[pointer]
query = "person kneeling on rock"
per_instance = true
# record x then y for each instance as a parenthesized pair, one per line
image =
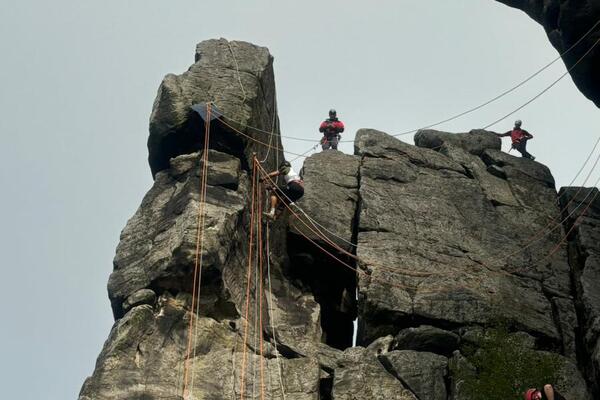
(548, 393)
(331, 129)
(293, 190)
(519, 139)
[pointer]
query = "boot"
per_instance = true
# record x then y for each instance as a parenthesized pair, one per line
(270, 215)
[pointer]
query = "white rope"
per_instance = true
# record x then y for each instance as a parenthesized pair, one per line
(546, 89)
(237, 68)
(314, 222)
(303, 154)
(506, 92)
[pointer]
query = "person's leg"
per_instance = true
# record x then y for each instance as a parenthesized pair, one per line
(522, 148)
(293, 192)
(334, 140)
(274, 200)
(325, 144)
(525, 152)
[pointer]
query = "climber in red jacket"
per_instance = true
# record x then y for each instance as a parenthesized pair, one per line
(549, 393)
(519, 139)
(331, 129)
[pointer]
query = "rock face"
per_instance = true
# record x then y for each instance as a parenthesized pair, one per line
(565, 23)
(238, 78)
(581, 209)
(425, 246)
(444, 263)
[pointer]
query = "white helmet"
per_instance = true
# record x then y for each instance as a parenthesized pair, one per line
(518, 122)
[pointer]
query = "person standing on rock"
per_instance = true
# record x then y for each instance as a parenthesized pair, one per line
(293, 190)
(331, 129)
(548, 393)
(519, 139)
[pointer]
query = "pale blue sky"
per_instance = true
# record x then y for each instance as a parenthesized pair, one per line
(78, 82)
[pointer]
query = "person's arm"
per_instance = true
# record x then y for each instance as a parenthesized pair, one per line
(270, 175)
(323, 126)
(549, 391)
(340, 127)
(527, 134)
(504, 134)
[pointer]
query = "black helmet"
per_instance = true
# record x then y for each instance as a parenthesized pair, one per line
(332, 113)
(284, 165)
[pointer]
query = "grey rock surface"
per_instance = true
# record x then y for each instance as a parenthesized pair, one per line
(432, 258)
(331, 195)
(423, 373)
(427, 338)
(238, 78)
(144, 355)
(157, 247)
(474, 142)
(581, 209)
(362, 377)
(142, 296)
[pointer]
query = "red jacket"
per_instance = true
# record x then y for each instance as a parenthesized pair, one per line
(331, 127)
(517, 135)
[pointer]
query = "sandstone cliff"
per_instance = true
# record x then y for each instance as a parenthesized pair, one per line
(440, 235)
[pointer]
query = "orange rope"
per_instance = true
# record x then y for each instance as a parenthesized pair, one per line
(198, 259)
(322, 236)
(249, 273)
(260, 291)
(537, 235)
(385, 281)
(354, 269)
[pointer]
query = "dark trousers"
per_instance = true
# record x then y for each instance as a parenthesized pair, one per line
(521, 147)
(330, 142)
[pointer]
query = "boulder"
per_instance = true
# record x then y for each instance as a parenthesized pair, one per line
(423, 373)
(362, 377)
(474, 142)
(157, 247)
(237, 77)
(427, 338)
(142, 296)
(330, 198)
(426, 252)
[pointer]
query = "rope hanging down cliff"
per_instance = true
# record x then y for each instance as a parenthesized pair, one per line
(197, 279)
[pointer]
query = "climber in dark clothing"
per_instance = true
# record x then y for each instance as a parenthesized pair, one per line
(548, 393)
(519, 139)
(293, 190)
(331, 129)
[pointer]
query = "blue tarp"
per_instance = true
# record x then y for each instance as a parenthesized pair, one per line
(201, 109)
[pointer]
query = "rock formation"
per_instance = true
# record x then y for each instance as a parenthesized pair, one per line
(425, 245)
(565, 23)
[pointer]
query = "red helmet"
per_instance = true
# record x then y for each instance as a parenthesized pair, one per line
(529, 394)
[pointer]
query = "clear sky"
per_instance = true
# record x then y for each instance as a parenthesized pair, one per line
(79, 79)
